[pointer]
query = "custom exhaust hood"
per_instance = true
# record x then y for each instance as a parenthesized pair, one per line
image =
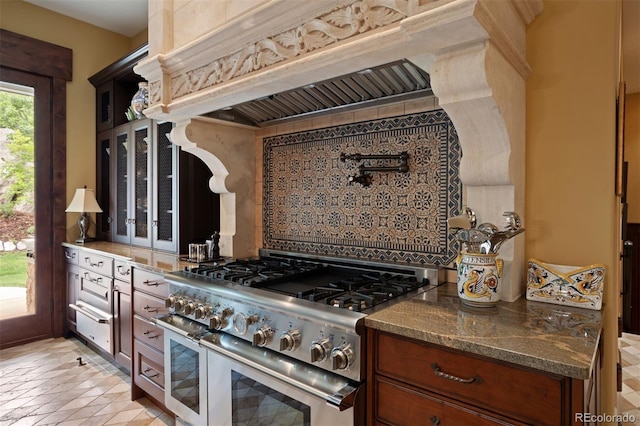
(222, 80)
(394, 82)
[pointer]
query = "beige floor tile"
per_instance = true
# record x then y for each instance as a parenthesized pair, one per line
(41, 383)
(78, 403)
(124, 416)
(14, 403)
(55, 417)
(29, 420)
(86, 412)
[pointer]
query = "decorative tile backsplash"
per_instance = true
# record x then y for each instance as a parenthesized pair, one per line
(310, 207)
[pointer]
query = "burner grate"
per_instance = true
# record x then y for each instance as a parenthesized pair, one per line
(342, 287)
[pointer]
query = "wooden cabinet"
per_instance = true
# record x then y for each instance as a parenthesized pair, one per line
(412, 382)
(91, 305)
(99, 289)
(122, 314)
(73, 284)
(144, 199)
(151, 193)
(149, 293)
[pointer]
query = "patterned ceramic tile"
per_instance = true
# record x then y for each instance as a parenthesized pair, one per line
(310, 207)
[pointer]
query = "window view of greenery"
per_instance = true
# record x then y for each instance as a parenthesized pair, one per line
(16, 186)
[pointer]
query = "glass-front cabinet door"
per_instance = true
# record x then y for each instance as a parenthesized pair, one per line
(132, 184)
(140, 219)
(120, 186)
(103, 185)
(165, 186)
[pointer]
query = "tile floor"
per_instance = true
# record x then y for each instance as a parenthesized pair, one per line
(42, 383)
(629, 398)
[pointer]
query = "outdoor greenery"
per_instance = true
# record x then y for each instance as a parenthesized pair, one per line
(14, 269)
(16, 113)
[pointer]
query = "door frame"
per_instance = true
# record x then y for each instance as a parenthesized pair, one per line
(29, 55)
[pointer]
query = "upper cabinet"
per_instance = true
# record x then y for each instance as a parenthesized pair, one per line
(152, 194)
(144, 185)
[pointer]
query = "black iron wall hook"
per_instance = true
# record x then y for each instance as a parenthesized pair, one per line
(364, 177)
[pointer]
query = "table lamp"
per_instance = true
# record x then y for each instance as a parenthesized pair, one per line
(84, 201)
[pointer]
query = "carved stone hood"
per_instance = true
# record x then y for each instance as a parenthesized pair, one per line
(473, 51)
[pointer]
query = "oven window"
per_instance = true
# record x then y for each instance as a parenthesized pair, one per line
(256, 404)
(185, 376)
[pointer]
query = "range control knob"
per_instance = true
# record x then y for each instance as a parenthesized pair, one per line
(218, 323)
(262, 337)
(219, 320)
(170, 301)
(189, 307)
(290, 340)
(200, 312)
(320, 349)
(178, 305)
(342, 357)
(242, 322)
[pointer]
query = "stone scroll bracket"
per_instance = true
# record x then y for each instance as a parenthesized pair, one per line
(485, 96)
(228, 151)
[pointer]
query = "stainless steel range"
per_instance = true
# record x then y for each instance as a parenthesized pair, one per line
(285, 322)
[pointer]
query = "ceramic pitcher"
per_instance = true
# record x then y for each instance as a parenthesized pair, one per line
(478, 278)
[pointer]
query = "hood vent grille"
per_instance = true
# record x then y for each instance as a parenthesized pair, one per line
(394, 82)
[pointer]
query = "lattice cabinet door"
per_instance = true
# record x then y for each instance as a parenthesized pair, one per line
(141, 182)
(164, 229)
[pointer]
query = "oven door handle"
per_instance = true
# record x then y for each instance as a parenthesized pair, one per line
(91, 314)
(337, 391)
(191, 331)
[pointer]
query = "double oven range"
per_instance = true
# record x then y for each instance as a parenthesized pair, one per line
(276, 340)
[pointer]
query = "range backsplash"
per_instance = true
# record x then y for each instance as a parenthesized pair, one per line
(310, 207)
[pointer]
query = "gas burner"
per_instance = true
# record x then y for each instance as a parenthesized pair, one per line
(309, 309)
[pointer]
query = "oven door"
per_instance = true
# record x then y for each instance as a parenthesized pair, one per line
(185, 380)
(254, 386)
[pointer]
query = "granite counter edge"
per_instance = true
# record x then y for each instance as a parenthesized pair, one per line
(493, 352)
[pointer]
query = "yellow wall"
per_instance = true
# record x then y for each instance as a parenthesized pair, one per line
(571, 207)
(93, 49)
(632, 155)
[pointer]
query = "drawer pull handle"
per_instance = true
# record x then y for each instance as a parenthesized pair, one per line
(87, 276)
(126, 272)
(150, 376)
(93, 265)
(151, 283)
(69, 256)
(150, 309)
(435, 420)
(438, 372)
(146, 333)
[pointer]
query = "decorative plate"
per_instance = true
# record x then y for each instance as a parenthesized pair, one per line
(566, 285)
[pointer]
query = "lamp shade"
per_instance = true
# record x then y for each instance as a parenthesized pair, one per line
(84, 201)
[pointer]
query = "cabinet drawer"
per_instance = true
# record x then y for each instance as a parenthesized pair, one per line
(95, 289)
(97, 332)
(96, 263)
(148, 333)
(71, 255)
(122, 271)
(486, 384)
(148, 370)
(148, 306)
(401, 406)
(122, 286)
(150, 282)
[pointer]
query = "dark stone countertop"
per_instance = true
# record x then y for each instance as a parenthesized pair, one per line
(552, 338)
